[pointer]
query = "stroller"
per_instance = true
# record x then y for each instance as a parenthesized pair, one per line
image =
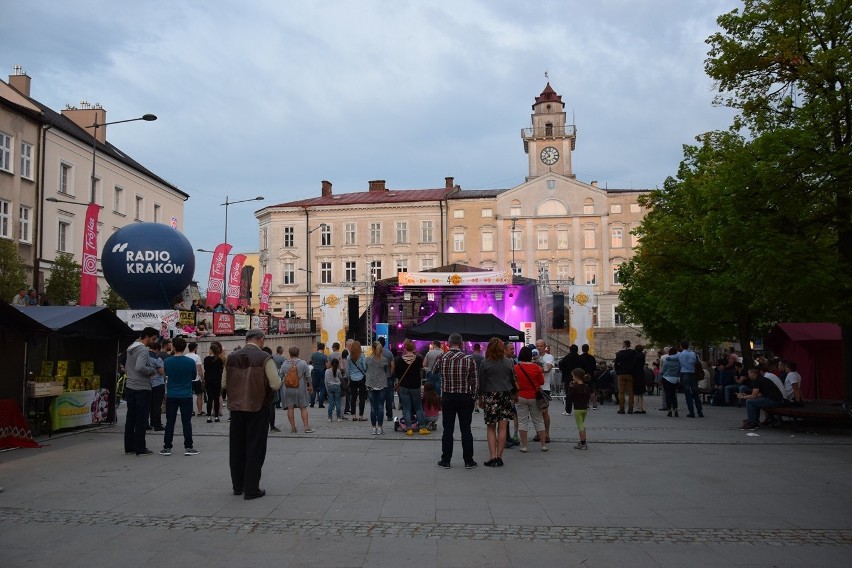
(400, 423)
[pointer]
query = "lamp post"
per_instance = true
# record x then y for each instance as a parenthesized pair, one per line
(229, 203)
(309, 269)
(95, 126)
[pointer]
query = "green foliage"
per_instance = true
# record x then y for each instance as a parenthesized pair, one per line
(13, 269)
(63, 284)
(113, 301)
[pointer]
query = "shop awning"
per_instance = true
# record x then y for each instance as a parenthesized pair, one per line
(17, 320)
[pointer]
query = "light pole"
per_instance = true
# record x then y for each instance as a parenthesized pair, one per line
(229, 203)
(309, 269)
(95, 126)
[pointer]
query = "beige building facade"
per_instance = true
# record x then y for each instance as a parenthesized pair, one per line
(552, 228)
(59, 187)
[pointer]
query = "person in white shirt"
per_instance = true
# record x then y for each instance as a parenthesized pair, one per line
(198, 382)
(792, 383)
(547, 362)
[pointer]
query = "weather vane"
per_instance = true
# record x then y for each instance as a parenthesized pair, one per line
(545, 75)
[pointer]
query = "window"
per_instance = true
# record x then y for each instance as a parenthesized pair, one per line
(516, 269)
(543, 239)
(427, 264)
(588, 206)
(26, 160)
(635, 208)
(402, 232)
(264, 238)
(617, 237)
(118, 200)
(515, 241)
(618, 318)
(289, 273)
(458, 242)
(515, 211)
(376, 269)
(401, 265)
(349, 231)
(551, 184)
(289, 237)
(488, 212)
(325, 236)
(615, 208)
(563, 272)
(63, 237)
(158, 213)
(289, 310)
(548, 129)
(615, 268)
(325, 273)
(426, 232)
(66, 180)
(487, 241)
(350, 271)
(5, 221)
(5, 152)
(375, 233)
(458, 214)
(589, 238)
(562, 239)
(24, 233)
(552, 207)
(139, 211)
(590, 274)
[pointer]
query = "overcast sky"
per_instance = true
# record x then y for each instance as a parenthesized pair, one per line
(269, 97)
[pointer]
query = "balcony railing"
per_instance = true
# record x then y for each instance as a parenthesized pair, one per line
(545, 132)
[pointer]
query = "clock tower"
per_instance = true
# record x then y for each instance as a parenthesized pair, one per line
(550, 141)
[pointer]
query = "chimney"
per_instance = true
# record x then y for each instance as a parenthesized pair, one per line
(377, 185)
(448, 182)
(20, 81)
(326, 188)
(85, 116)
(594, 183)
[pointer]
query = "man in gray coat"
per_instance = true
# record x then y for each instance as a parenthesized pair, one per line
(137, 391)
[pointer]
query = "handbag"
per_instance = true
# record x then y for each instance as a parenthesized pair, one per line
(399, 380)
(542, 399)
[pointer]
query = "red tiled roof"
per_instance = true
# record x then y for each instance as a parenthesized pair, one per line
(370, 197)
(548, 95)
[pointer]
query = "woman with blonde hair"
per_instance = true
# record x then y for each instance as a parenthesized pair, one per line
(496, 396)
(357, 375)
(377, 386)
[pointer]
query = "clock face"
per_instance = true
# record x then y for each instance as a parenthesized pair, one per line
(549, 155)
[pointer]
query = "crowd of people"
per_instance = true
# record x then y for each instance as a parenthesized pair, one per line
(30, 297)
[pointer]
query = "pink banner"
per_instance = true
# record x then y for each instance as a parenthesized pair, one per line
(264, 292)
(234, 277)
(216, 284)
(89, 275)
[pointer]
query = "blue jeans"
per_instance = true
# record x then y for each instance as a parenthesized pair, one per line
(333, 399)
(731, 389)
(185, 406)
(435, 380)
(318, 392)
(690, 393)
(412, 406)
(755, 405)
(377, 401)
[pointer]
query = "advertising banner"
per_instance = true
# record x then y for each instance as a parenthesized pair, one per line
(581, 301)
(234, 278)
(81, 408)
(187, 318)
(334, 310)
(498, 278)
(223, 324)
(242, 322)
(216, 284)
(261, 323)
(528, 327)
(264, 292)
(89, 274)
(167, 321)
(245, 285)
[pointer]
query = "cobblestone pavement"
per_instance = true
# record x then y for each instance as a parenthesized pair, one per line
(497, 532)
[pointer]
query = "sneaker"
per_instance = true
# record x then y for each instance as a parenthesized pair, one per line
(499, 462)
(580, 447)
(339, 419)
(620, 412)
(564, 413)
(425, 431)
(544, 448)
(375, 431)
(524, 449)
(444, 464)
(470, 464)
(629, 411)
(166, 452)
(190, 452)
(381, 431)
(409, 432)
(595, 407)
(209, 420)
(309, 430)
(330, 419)
(144, 453)
(274, 429)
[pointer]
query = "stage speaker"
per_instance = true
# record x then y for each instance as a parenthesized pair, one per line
(559, 311)
(354, 317)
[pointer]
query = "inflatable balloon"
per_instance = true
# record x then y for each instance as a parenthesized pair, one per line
(148, 264)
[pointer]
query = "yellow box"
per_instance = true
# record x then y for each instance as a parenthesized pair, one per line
(62, 368)
(47, 368)
(87, 368)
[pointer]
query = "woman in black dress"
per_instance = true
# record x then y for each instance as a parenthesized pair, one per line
(214, 365)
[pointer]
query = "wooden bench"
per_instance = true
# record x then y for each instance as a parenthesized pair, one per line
(818, 411)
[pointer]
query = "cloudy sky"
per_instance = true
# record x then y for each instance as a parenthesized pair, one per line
(269, 97)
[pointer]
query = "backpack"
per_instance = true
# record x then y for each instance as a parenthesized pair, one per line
(291, 379)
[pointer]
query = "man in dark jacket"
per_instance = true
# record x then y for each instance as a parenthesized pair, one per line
(624, 363)
(567, 364)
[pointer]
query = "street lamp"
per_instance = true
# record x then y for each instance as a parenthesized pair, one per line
(95, 126)
(309, 269)
(229, 203)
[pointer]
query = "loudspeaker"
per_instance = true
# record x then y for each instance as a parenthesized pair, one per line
(558, 311)
(354, 316)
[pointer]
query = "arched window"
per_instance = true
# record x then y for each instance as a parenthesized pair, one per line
(515, 209)
(552, 207)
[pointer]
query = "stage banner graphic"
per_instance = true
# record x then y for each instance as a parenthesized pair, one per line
(216, 284)
(223, 323)
(528, 327)
(333, 308)
(234, 278)
(581, 300)
(242, 322)
(498, 278)
(264, 292)
(89, 274)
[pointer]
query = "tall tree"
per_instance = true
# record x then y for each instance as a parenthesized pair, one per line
(63, 284)
(114, 301)
(787, 66)
(13, 269)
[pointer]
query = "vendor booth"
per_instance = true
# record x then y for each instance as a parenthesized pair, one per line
(816, 349)
(71, 371)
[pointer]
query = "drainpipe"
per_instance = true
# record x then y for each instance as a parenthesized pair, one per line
(39, 209)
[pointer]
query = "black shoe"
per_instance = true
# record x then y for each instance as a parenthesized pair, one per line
(662, 409)
(274, 429)
(260, 493)
(536, 438)
(144, 453)
(312, 405)
(238, 491)
(321, 406)
(669, 414)
(149, 428)
(499, 462)
(629, 411)
(620, 412)
(491, 463)
(690, 415)
(470, 464)
(158, 428)
(444, 464)
(701, 415)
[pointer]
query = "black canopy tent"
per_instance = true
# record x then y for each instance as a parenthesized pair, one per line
(472, 327)
(16, 332)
